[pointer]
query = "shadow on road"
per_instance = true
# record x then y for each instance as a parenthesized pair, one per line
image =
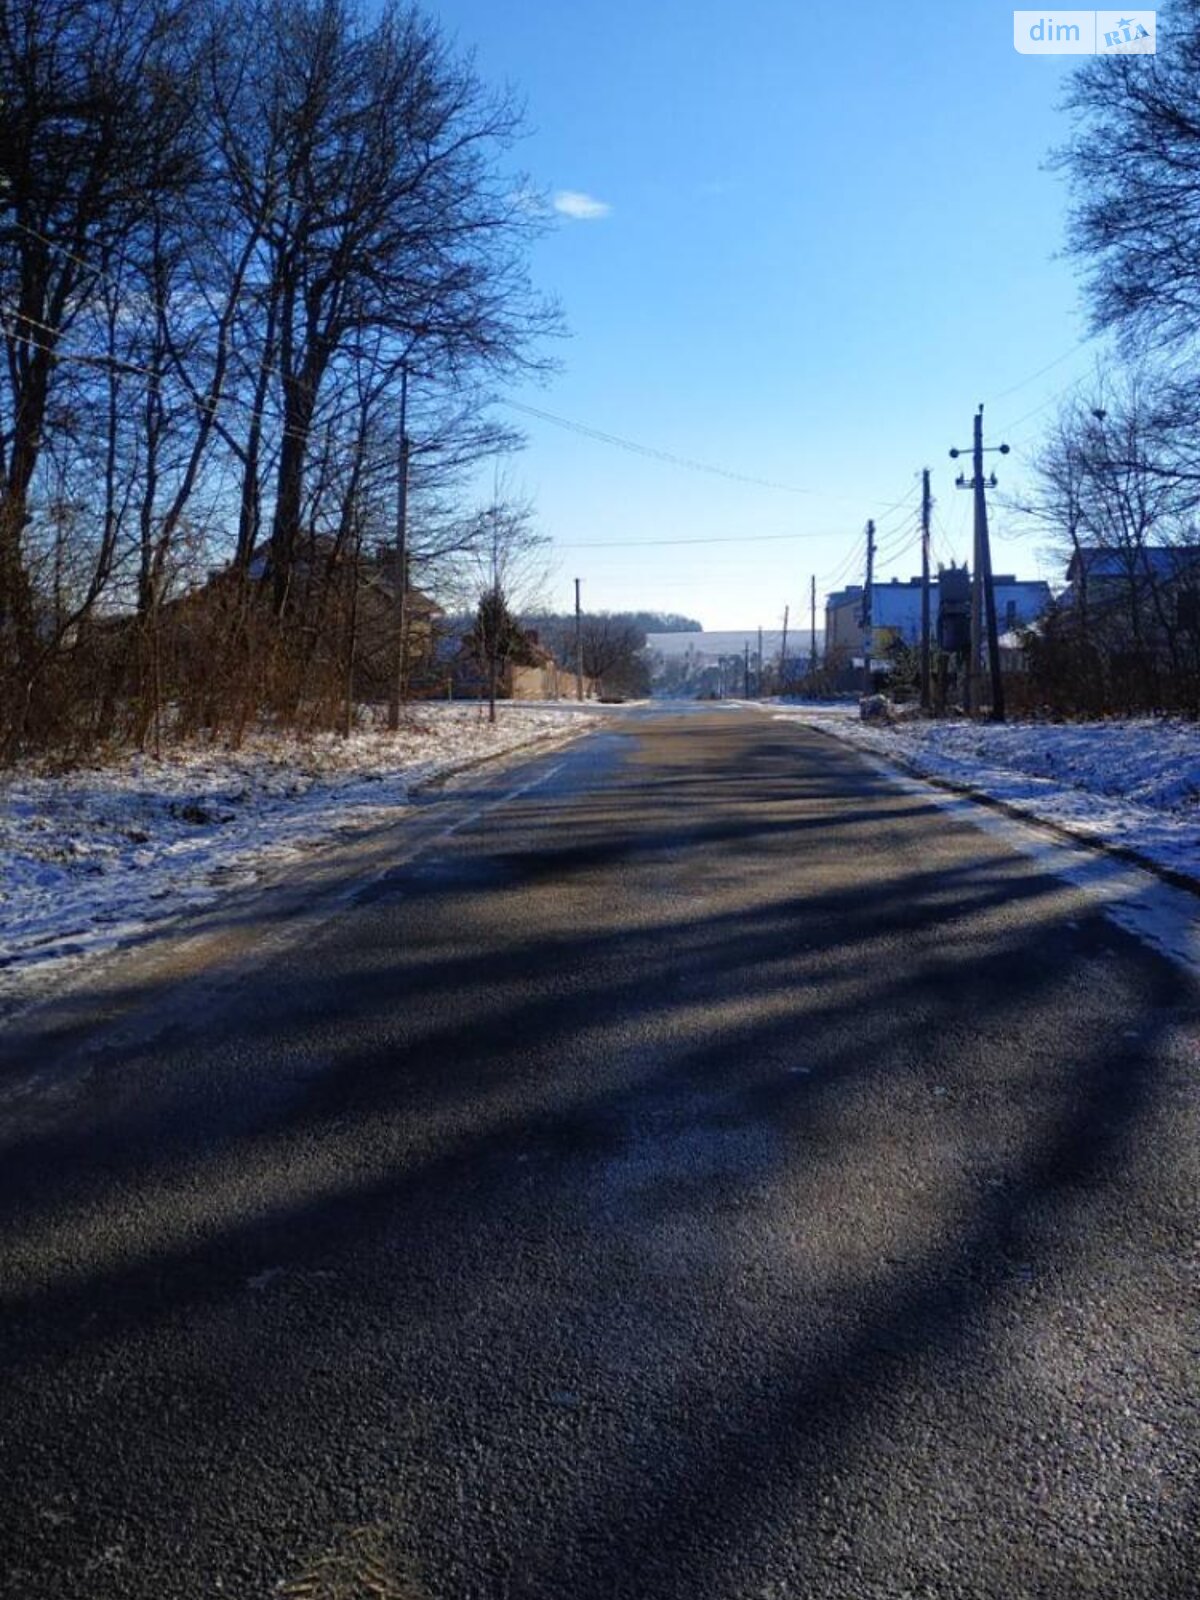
(740, 1104)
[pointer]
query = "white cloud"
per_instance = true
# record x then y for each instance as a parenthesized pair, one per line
(582, 207)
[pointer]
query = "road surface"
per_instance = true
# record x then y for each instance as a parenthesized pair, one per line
(712, 1172)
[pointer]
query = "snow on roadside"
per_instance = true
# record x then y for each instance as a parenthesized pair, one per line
(1131, 783)
(90, 857)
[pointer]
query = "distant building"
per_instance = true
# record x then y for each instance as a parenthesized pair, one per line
(337, 585)
(1136, 611)
(531, 674)
(1098, 574)
(896, 612)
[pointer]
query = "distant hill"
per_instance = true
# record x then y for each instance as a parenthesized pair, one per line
(707, 648)
(645, 621)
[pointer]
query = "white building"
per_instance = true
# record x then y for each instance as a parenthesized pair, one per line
(896, 612)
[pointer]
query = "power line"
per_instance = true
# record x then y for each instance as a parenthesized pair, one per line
(894, 557)
(652, 544)
(585, 430)
(900, 540)
(1042, 371)
(1045, 405)
(651, 452)
(669, 457)
(843, 571)
(732, 538)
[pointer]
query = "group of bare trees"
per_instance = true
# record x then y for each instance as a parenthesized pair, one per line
(607, 646)
(1118, 489)
(1118, 478)
(230, 231)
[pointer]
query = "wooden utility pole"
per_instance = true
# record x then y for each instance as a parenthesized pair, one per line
(758, 669)
(983, 593)
(783, 653)
(352, 619)
(989, 588)
(578, 645)
(746, 671)
(926, 511)
(866, 607)
(397, 695)
(812, 629)
(971, 688)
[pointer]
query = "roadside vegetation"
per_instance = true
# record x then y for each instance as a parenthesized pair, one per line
(245, 245)
(1118, 472)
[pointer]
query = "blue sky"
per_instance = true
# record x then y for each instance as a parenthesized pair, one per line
(826, 235)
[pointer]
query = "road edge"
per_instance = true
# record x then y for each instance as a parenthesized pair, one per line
(290, 885)
(1177, 879)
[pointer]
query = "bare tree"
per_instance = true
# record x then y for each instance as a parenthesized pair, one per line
(507, 554)
(611, 648)
(1134, 168)
(224, 230)
(1112, 491)
(367, 155)
(94, 126)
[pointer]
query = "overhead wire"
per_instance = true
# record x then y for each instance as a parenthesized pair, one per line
(1042, 371)
(841, 573)
(652, 544)
(652, 452)
(890, 550)
(585, 430)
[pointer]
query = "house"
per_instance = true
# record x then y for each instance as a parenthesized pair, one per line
(530, 674)
(345, 590)
(378, 619)
(896, 613)
(843, 625)
(547, 680)
(1131, 616)
(1100, 576)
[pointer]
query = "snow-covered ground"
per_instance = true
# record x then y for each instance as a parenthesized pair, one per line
(1130, 783)
(89, 857)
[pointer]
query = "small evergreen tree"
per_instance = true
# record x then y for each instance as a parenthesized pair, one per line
(497, 641)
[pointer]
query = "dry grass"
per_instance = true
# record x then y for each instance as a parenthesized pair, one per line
(362, 1564)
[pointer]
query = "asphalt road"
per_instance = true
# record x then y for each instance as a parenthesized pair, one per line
(713, 1172)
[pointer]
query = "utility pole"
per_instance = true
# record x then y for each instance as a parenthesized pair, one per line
(746, 672)
(973, 694)
(397, 695)
(783, 653)
(812, 629)
(758, 669)
(989, 588)
(866, 607)
(926, 511)
(578, 645)
(983, 593)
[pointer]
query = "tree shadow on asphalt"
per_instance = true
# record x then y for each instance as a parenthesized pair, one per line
(721, 956)
(782, 1013)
